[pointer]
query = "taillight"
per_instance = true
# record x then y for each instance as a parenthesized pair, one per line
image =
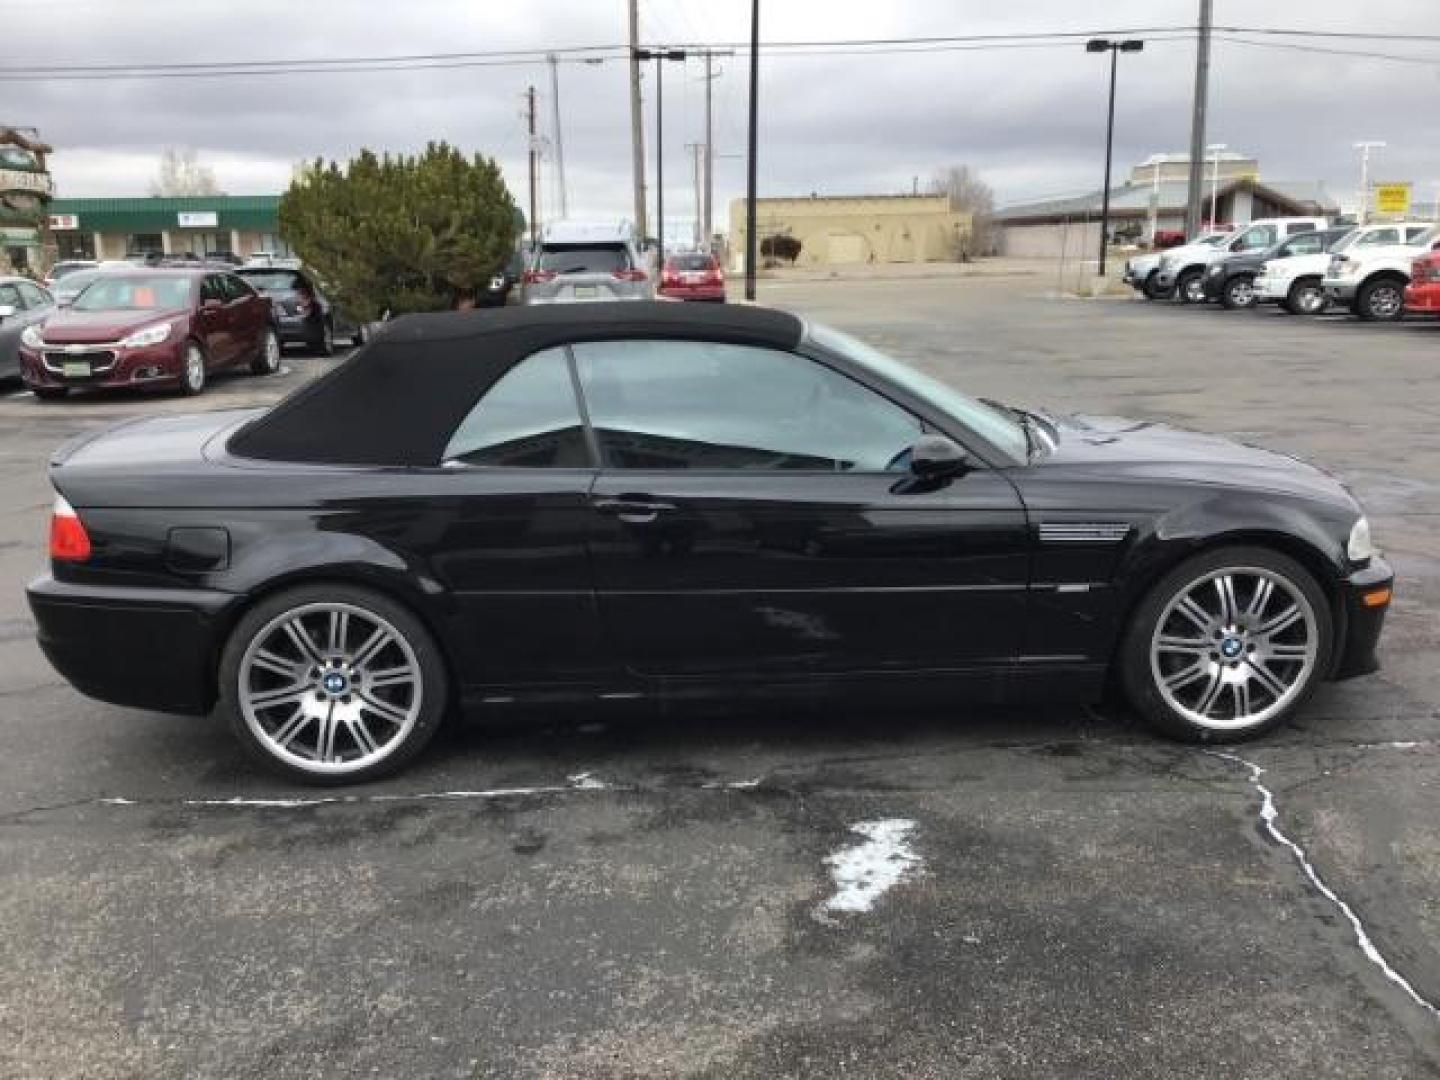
(538, 277)
(631, 275)
(69, 542)
(1426, 269)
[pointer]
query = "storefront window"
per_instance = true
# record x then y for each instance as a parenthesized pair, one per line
(75, 245)
(144, 244)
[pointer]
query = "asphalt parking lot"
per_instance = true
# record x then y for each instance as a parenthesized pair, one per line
(613, 895)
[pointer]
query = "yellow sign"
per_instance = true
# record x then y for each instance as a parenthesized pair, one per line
(1392, 198)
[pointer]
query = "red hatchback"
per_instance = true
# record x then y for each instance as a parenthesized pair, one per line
(1423, 294)
(151, 328)
(692, 277)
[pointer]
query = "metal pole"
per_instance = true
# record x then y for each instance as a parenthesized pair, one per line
(530, 125)
(1214, 188)
(697, 152)
(1197, 122)
(564, 199)
(706, 218)
(1109, 143)
(659, 164)
(751, 241)
(637, 126)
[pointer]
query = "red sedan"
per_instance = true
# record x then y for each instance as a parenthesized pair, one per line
(161, 328)
(692, 277)
(1422, 296)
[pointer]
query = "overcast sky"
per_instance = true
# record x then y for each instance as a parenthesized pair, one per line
(1030, 120)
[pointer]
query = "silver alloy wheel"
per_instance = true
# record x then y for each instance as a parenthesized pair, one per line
(330, 688)
(194, 369)
(1386, 301)
(1310, 299)
(1234, 647)
(1242, 292)
(1195, 290)
(270, 352)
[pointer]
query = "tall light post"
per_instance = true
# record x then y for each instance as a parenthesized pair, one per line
(1365, 148)
(751, 139)
(659, 56)
(1215, 150)
(1114, 48)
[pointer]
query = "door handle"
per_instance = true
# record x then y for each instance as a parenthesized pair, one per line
(633, 511)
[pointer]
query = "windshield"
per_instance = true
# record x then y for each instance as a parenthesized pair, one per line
(59, 270)
(274, 280)
(1345, 241)
(1428, 237)
(1213, 238)
(584, 258)
(685, 264)
(135, 292)
(989, 423)
(76, 281)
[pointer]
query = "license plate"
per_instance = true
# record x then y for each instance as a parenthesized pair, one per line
(586, 292)
(75, 369)
(692, 279)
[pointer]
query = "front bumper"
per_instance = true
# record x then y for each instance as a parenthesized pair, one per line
(1363, 620)
(147, 648)
(150, 365)
(1423, 299)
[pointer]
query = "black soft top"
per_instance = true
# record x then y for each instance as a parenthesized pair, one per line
(397, 401)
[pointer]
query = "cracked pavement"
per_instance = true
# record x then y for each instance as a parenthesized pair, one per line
(617, 895)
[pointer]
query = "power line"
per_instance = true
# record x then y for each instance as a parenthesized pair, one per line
(1434, 61)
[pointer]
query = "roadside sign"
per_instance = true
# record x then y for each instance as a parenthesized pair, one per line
(197, 219)
(64, 222)
(1392, 199)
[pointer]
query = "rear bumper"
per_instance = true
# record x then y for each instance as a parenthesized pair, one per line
(1363, 622)
(147, 648)
(293, 330)
(1424, 299)
(711, 293)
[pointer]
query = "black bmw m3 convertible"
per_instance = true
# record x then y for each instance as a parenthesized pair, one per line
(647, 501)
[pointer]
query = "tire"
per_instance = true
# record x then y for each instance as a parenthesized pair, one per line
(1238, 293)
(1183, 678)
(267, 355)
(50, 393)
(192, 373)
(1306, 297)
(1381, 299)
(373, 729)
(1152, 288)
(361, 337)
(1189, 288)
(325, 345)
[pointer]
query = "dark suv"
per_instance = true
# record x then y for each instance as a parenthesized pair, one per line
(1231, 280)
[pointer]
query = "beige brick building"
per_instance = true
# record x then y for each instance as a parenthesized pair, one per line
(838, 230)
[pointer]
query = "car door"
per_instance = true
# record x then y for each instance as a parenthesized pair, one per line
(248, 315)
(754, 515)
(509, 514)
(14, 296)
(213, 322)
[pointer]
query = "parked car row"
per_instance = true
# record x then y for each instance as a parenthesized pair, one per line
(1377, 271)
(580, 263)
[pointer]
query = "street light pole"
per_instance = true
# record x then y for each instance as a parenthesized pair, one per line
(1215, 150)
(750, 238)
(1365, 148)
(1099, 45)
(659, 56)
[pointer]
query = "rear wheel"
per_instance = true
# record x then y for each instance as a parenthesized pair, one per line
(192, 370)
(1152, 290)
(1228, 645)
(1381, 300)
(1306, 297)
(332, 684)
(267, 356)
(325, 344)
(361, 335)
(1190, 287)
(1239, 292)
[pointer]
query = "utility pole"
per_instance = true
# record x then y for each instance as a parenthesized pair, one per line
(751, 242)
(534, 155)
(1365, 148)
(564, 200)
(707, 220)
(637, 126)
(659, 56)
(697, 158)
(1114, 48)
(1196, 194)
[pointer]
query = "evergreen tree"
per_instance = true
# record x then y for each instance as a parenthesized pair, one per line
(401, 233)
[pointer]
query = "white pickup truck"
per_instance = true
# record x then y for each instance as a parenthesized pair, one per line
(1297, 282)
(1183, 268)
(1140, 270)
(1371, 280)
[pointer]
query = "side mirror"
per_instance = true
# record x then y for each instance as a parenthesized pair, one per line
(934, 457)
(6, 310)
(211, 305)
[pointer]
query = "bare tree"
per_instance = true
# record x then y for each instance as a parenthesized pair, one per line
(181, 173)
(971, 195)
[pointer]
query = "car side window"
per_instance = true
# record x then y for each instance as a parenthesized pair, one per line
(528, 419)
(1415, 231)
(210, 289)
(707, 405)
(1379, 237)
(10, 297)
(1304, 244)
(34, 296)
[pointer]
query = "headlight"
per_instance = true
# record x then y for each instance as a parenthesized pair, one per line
(151, 335)
(31, 337)
(1360, 547)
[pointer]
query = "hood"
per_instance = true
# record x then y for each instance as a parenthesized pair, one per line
(1145, 450)
(1248, 260)
(71, 327)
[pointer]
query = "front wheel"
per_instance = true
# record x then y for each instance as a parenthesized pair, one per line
(1306, 297)
(1190, 287)
(267, 356)
(192, 371)
(1152, 290)
(332, 684)
(1381, 301)
(1239, 293)
(1228, 645)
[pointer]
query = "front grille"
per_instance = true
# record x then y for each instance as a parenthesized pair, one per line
(100, 360)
